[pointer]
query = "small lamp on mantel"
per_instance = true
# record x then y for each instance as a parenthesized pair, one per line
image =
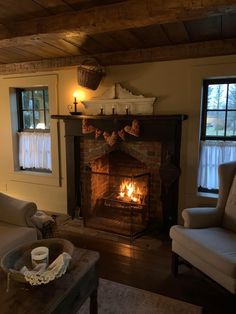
(79, 96)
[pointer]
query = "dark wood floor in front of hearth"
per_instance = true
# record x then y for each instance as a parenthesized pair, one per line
(151, 270)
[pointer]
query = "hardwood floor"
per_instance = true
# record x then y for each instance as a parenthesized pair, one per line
(146, 264)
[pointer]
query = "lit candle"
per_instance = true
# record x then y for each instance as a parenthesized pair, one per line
(101, 112)
(126, 109)
(75, 101)
(79, 96)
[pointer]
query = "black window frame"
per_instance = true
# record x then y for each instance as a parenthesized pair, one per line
(206, 83)
(20, 109)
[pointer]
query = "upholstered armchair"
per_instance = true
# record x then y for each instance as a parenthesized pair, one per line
(208, 238)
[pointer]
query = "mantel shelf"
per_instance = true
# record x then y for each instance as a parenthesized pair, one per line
(121, 117)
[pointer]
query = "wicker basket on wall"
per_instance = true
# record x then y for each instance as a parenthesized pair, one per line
(90, 74)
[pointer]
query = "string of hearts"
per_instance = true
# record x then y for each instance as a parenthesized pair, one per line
(111, 138)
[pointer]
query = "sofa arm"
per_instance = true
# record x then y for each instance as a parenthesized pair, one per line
(15, 211)
(201, 217)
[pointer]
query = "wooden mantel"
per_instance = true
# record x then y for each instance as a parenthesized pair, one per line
(153, 127)
(165, 129)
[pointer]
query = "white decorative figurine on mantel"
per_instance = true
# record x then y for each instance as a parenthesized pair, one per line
(118, 100)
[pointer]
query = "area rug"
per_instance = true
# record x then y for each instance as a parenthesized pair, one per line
(116, 298)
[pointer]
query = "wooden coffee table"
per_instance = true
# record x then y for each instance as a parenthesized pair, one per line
(63, 295)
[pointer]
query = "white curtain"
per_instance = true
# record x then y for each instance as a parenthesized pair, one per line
(212, 154)
(35, 150)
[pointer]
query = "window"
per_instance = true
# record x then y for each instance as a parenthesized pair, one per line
(34, 129)
(33, 108)
(218, 130)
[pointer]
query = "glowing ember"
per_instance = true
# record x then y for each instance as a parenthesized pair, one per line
(130, 192)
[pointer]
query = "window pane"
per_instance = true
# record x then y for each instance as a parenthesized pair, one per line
(231, 124)
(46, 98)
(28, 121)
(47, 119)
(232, 96)
(215, 123)
(217, 96)
(38, 99)
(27, 102)
(39, 119)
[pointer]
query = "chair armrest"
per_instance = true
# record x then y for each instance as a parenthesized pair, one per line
(15, 211)
(201, 217)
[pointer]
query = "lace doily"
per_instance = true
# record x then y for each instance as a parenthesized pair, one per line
(42, 274)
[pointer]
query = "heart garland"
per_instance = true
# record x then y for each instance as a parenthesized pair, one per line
(87, 128)
(112, 138)
(134, 129)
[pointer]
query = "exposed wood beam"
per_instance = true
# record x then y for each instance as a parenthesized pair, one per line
(114, 17)
(164, 53)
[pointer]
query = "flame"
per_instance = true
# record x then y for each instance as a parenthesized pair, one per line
(130, 192)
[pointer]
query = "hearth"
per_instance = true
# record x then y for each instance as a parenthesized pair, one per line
(115, 196)
(96, 171)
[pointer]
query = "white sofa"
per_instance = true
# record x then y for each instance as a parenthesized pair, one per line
(16, 227)
(208, 238)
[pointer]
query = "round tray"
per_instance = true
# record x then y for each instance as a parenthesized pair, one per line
(15, 259)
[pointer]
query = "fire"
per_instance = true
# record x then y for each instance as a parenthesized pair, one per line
(130, 192)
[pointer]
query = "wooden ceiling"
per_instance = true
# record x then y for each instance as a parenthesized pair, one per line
(40, 35)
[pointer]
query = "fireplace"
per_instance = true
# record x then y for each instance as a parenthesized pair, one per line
(115, 193)
(100, 177)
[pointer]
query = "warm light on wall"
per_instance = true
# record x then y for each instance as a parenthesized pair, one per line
(79, 96)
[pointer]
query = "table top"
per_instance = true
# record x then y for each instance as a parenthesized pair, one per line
(23, 298)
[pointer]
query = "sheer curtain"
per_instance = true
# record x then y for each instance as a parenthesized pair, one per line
(35, 150)
(212, 154)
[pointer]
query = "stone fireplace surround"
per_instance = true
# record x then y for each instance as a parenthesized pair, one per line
(158, 147)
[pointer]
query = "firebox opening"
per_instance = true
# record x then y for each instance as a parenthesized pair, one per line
(119, 198)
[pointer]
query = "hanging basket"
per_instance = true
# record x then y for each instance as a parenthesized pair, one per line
(91, 74)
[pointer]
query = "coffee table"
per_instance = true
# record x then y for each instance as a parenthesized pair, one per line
(63, 295)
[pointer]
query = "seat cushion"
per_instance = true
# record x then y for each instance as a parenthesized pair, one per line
(229, 220)
(216, 246)
(11, 236)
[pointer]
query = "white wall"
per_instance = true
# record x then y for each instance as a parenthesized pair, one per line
(176, 84)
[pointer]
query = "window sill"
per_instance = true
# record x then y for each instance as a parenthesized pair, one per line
(41, 178)
(208, 195)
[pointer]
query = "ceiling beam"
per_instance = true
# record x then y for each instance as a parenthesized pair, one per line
(113, 17)
(164, 53)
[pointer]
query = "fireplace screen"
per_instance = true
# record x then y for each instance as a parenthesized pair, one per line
(118, 203)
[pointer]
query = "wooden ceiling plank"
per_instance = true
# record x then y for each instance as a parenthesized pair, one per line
(54, 6)
(229, 26)
(64, 45)
(51, 50)
(151, 36)
(176, 32)
(20, 10)
(28, 55)
(107, 41)
(87, 44)
(164, 53)
(13, 55)
(120, 16)
(127, 39)
(204, 29)
(86, 4)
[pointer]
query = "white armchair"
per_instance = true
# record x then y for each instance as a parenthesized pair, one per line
(208, 238)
